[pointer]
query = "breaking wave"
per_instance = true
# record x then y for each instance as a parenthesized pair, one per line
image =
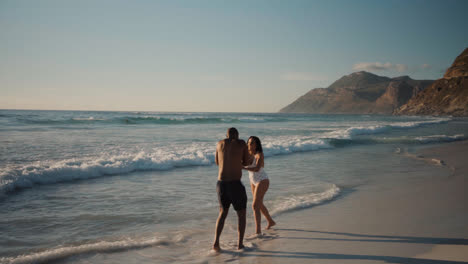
(49, 172)
(85, 248)
(349, 133)
(75, 169)
(296, 202)
(441, 138)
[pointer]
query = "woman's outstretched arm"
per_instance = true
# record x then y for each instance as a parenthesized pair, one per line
(258, 165)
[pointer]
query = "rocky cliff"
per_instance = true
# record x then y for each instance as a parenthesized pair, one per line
(359, 93)
(446, 96)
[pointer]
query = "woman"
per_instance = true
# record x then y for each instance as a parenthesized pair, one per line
(259, 183)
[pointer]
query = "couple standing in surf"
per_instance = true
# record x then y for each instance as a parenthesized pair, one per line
(233, 155)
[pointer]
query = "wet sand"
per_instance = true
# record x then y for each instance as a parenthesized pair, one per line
(423, 221)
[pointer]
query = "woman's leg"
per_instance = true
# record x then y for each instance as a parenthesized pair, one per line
(265, 212)
(254, 188)
(270, 220)
(257, 204)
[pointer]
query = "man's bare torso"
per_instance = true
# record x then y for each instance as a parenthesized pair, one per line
(231, 155)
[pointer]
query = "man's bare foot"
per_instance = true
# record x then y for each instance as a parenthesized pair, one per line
(241, 246)
(216, 248)
(270, 225)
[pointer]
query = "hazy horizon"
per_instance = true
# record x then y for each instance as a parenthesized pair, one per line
(136, 111)
(209, 56)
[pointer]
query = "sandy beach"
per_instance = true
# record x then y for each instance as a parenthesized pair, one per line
(113, 118)
(423, 221)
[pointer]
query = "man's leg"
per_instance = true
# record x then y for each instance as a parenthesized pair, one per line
(223, 212)
(241, 215)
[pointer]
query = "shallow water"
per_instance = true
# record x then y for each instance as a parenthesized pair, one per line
(105, 186)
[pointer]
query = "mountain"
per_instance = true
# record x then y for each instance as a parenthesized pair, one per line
(446, 96)
(358, 93)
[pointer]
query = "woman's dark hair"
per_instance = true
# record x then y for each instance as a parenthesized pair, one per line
(258, 144)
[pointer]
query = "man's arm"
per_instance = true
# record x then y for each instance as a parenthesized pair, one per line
(245, 155)
(216, 155)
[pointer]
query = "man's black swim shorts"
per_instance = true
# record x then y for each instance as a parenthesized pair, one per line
(232, 192)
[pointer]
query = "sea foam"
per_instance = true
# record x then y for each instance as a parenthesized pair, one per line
(292, 144)
(349, 133)
(80, 169)
(441, 138)
(296, 202)
(49, 172)
(96, 247)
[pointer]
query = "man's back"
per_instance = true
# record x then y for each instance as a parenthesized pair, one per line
(231, 154)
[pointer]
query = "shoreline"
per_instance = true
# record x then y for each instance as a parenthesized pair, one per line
(421, 220)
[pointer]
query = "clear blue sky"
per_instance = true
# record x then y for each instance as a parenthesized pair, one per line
(221, 56)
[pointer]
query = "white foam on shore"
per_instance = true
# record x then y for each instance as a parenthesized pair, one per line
(295, 202)
(348, 133)
(432, 161)
(440, 138)
(67, 251)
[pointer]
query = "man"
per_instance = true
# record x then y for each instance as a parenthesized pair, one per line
(231, 155)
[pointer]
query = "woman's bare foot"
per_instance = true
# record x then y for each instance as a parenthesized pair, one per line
(216, 248)
(256, 235)
(241, 246)
(270, 225)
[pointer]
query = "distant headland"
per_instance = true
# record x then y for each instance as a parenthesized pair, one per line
(366, 93)
(446, 96)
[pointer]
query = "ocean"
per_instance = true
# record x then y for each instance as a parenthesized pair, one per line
(140, 187)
